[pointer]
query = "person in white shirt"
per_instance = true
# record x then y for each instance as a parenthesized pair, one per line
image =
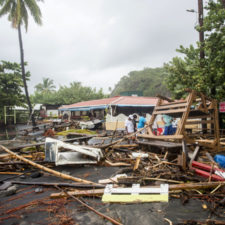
(129, 126)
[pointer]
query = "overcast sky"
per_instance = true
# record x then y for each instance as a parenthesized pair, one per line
(97, 42)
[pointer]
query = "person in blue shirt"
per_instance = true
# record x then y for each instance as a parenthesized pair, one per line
(168, 128)
(141, 122)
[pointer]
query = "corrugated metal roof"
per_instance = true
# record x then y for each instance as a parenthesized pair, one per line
(117, 100)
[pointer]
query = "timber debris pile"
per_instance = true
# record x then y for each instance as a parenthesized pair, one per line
(154, 168)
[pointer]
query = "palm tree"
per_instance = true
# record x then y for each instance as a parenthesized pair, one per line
(46, 86)
(17, 11)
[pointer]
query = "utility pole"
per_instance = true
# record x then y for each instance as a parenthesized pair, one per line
(201, 33)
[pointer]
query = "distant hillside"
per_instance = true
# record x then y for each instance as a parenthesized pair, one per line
(151, 81)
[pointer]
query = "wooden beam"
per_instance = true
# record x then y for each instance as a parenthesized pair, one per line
(171, 106)
(161, 137)
(165, 98)
(194, 155)
(199, 122)
(169, 111)
(174, 103)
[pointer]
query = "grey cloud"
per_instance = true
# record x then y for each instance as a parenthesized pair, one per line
(98, 41)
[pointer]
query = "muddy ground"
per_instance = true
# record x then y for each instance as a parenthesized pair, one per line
(68, 211)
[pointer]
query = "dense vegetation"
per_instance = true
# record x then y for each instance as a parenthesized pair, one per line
(45, 93)
(149, 81)
(11, 84)
(206, 74)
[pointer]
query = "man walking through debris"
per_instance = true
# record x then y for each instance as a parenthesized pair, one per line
(142, 122)
(129, 126)
(168, 128)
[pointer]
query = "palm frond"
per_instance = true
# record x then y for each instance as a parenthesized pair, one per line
(25, 15)
(34, 10)
(6, 7)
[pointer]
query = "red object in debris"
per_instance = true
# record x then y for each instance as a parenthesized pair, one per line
(222, 107)
(207, 174)
(159, 131)
(205, 166)
(202, 168)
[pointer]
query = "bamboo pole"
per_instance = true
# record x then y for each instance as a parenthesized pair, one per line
(202, 185)
(56, 173)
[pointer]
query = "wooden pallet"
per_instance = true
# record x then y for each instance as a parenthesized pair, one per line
(136, 194)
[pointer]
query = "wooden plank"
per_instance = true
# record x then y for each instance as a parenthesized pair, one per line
(149, 127)
(180, 128)
(184, 155)
(165, 144)
(161, 137)
(205, 141)
(172, 103)
(94, 192)
(194, 155)
(200, 116)
(135, 198)
(171, 106)
(199, 122)
(165, 98)
(169, 111)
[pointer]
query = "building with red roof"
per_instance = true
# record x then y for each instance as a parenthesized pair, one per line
(118, 104)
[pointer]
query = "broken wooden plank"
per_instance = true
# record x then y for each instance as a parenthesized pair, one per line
(194, 155)
(79, 193)
(108, 163)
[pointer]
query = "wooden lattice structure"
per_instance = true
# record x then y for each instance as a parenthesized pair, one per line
(198, 120)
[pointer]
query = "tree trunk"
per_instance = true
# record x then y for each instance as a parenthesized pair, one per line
(24, 76)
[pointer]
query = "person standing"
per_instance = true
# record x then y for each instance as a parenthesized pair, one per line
(135, 122)
(168, 128)
(141, 122)
(129, 126)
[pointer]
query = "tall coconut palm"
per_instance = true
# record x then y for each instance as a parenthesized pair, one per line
(17, 11)
(46, 86)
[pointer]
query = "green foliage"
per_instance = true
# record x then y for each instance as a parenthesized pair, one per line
(18, 11)
(11, 84)
(46, 87)
(208, 74)
(68, 95)
(150, 81)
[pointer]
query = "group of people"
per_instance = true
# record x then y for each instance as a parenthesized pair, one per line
(131, 124)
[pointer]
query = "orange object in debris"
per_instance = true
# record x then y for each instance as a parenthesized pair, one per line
(49, 133)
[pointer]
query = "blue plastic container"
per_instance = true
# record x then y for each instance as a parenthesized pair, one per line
(220, 159)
